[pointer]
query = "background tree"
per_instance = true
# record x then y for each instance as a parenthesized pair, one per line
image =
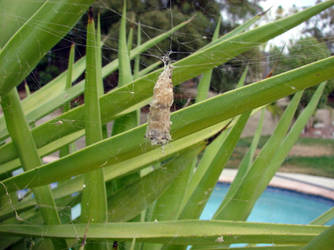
(320, 27)
(157, 16)
(304, 50)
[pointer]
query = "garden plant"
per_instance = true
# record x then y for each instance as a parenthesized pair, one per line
(134, 195)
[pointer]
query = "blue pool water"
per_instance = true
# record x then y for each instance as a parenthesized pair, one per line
(276, 205)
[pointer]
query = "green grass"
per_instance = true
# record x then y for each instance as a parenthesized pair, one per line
(322, 165)
(245, 142)
(318, 141)
(316, 165)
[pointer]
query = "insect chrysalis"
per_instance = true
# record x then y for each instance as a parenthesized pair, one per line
(159, 116)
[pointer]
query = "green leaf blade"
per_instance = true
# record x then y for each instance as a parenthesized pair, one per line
(26, 147)
(192, 66)
(94, 199)
(186, 233)
(52, 15)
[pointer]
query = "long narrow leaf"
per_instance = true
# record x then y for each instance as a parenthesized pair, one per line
(231, 103)
(52, 95)
(242, 78)
(325, 241)
(43, 151)
(125, 167)
(137, 58)
(323, 218)
(9, 11)
(241, 28)
(251, 178)
(131, 200)
(245, 164)
(48, 98)
(209, 169)
(126, 96)
(54, 20)
(94, 199)
(82, 161)
(267, 247)
(131, 119)
(148, 69)
(180, 232)
(130, 38)
(98, 48)
(204, 83)
(168, 206)
(268, 171)
(22, 137)
(66, 150)
(125, 75)
(27, 89)
(143, 47)
(69, 74)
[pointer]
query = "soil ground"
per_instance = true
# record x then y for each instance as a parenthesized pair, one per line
(310, 151)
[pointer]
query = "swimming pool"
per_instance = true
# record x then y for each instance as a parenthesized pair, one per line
(276, 205)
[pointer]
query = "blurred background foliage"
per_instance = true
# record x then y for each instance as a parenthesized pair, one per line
(157, 16)
(152, 14)
(300, 52)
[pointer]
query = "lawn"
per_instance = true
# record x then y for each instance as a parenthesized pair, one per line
(309, 156)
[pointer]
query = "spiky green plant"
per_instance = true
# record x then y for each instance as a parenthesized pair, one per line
(130, 191)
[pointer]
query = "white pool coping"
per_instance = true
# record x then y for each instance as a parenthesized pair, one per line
(308, 184)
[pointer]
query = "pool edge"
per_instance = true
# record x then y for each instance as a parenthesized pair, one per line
(307, 184)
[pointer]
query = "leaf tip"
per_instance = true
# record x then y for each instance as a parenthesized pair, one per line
(192, 18)
(264, 12)
(90, 14)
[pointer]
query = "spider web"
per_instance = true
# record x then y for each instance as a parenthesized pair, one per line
(259, 67)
